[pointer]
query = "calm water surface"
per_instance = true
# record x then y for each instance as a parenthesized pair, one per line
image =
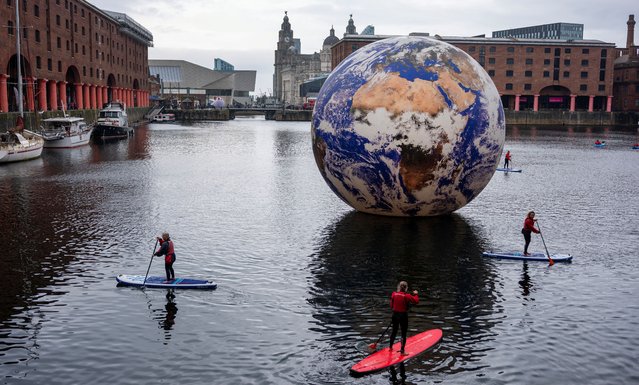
(304, 280)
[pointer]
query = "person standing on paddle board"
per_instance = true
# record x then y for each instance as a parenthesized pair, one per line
(400, 302)
(529, 227)
(166, 249)
(507, 159)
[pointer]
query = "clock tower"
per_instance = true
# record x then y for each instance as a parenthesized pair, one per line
(282, 56)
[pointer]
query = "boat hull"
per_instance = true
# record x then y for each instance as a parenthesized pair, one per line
(106, 132)
(69, 141)
(19, 151)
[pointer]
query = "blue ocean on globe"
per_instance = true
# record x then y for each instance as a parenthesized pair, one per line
(408, 126)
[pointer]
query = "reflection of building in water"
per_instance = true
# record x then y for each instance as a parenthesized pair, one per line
(361, 258)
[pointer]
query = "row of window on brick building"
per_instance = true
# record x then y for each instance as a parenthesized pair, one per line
(99, 55)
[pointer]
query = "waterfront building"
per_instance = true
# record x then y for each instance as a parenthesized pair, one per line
(73, 55)
(626, 73)
(530, 74)
(556, 31)
(188, 85)
(221, 65)
(292, 68)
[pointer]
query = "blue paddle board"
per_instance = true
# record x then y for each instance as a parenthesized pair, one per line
(532, 257)
(162, 283)
(600, 145)
(509, 169)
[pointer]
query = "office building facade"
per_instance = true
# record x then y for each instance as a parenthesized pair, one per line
(555, 31)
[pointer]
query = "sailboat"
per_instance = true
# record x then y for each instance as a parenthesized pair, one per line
(19, 144)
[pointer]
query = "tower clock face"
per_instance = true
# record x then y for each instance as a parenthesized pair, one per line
(286, 39)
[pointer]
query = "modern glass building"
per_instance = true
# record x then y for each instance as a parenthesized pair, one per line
(221, 65)
(556, 31)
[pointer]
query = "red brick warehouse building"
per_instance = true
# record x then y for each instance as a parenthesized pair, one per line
(531, 74)
(73, 55)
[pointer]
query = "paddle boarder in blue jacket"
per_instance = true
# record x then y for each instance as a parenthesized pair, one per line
(529, 227)
(166, 249)
(400, 302)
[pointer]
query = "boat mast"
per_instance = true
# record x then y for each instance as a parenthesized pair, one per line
(18, 31)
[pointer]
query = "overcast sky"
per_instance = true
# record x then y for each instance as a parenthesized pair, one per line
(245, 33)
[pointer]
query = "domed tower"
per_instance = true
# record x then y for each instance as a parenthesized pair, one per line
(350, 28)
(325, 53)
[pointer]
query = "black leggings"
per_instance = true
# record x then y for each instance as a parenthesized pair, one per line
(401, 320)
(527, 239)
(168, 267)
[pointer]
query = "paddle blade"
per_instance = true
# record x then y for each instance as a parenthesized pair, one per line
(550, 261)
(373, 346)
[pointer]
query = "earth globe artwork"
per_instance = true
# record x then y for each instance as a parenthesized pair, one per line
(408, 126)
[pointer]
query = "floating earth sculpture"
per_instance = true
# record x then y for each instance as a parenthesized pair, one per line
(408, 126)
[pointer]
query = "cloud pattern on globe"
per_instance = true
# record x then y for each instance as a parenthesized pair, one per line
(408, 126)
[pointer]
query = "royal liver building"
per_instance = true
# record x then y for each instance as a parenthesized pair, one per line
(292, 68)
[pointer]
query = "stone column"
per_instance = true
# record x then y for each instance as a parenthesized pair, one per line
(517, 102)
(53, 95)
(572, 102)
(42, 94)
(79, 98)
(591, 102)
(99, 93)
(536, 103)
(87, 96)
(4, 95)
(105, 95)
(30, 94)
(94, 100)
(609, 104)
(62, 90)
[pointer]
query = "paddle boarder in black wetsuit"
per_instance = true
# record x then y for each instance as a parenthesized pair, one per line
(400, 301)
(166, 249)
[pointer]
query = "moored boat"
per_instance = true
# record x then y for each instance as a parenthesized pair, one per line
(164, 118)
(112, 122)
(19, 145)
(66, 132)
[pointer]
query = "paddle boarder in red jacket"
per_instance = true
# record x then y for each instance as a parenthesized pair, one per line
(507, 159)
(529, 227)
(166, 249)
(400, 302)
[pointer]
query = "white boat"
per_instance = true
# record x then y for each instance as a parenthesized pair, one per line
(112, 122)
(164, 118)
(19, 145)
(66, 132)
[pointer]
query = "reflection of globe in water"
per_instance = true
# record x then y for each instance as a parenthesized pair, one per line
(408, 126)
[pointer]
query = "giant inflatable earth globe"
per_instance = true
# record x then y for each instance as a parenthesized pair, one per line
(408, 126)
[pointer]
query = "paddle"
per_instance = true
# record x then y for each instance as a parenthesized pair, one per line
(152, 255)
(550, 261)
(373, 346)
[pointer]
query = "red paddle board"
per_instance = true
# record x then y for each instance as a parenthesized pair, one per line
(386, 357)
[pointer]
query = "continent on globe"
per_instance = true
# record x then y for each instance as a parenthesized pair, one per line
(408, 126)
